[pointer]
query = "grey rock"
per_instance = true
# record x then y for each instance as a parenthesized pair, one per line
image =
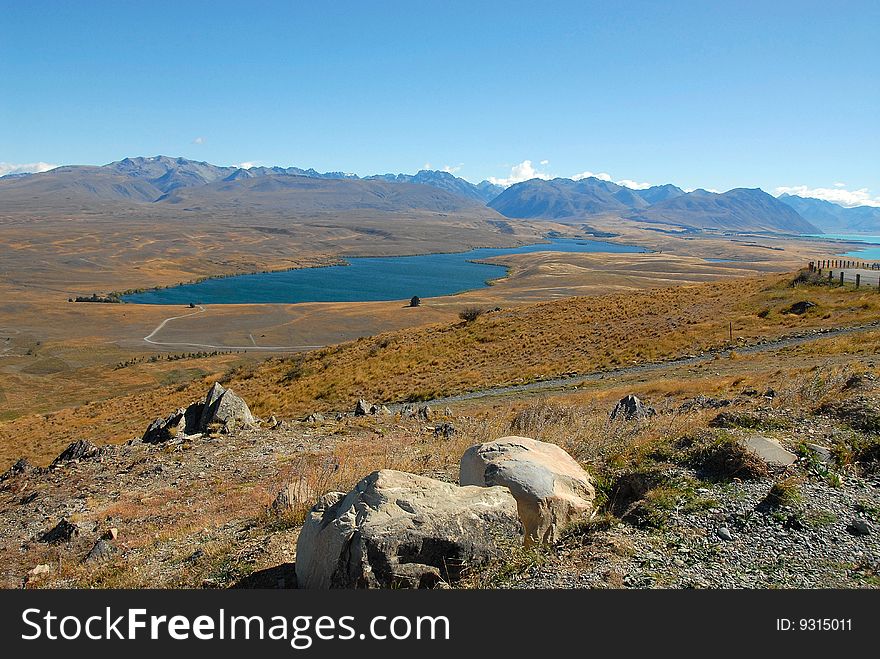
(362, 408)
(315, 417)
(79, 450)
(398, 529)
(425, 413)
(225, 407)
(769, 450)
(725, 534)
(630, 408)
(860, 527)
(444, 431)
(550, 488)
(163, 430)
(103, 550)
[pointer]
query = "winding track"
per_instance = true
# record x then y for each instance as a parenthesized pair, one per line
(149, 339)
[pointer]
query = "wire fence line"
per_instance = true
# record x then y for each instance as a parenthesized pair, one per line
(845, 271)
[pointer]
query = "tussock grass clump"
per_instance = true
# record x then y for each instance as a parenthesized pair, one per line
(470, 314)
(861, 413)
(748, 421)
(783, 493)
(722, 458)
(806, 278)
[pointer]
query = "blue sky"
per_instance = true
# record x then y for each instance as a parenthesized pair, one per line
(701, 94)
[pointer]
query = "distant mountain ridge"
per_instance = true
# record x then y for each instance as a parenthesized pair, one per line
(562, 198)
(196, 184)
(739, 209)
(833, 218)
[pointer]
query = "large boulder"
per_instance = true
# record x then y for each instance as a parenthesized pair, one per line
(631, 408)
(396, 529)
(550, 488)
(224, 407)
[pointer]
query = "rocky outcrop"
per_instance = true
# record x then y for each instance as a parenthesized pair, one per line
(362, 408)
(396, 529)
(78, 450)
(63, 531)
(226, 408)
(631, 408)
(550, 488)
(163, 430)
(221, 407)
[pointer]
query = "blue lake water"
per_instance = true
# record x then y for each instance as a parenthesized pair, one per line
(365, 279)
(872, 244)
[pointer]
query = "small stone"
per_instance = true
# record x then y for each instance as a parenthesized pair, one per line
(102, 551)
(42, 568)
(860, 527)
(725, 534)
(111, 534)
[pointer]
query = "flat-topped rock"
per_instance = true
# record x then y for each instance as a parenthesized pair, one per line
(769, 450)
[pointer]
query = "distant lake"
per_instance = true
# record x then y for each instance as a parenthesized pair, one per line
(365, 279)
(871, 251)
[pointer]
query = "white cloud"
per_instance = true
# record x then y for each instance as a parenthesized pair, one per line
(633, 185)
(605, 176)
(524, 171)
(838, 184)
(199, 140)
(246, 165)
(602, 176)
(545, 162)
(452, 169)
(25, 168)
(427, 165)
(837, 194)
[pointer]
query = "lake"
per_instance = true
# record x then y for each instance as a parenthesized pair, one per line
(365, 279)
(872, 244)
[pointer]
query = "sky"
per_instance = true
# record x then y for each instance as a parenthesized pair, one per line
(779, 95)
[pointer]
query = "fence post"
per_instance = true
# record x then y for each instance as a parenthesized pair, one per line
(830, 275)
(841, 277)
(858, 280)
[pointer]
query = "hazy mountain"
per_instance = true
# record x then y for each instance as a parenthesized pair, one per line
(660, 193)
(74, 187)
(483, 192)
(740, 209)
(832, 218)
(309, 194)
(168, 174)
(564, 198)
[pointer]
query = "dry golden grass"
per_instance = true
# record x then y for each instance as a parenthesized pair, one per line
(546, 340)
(515, 345)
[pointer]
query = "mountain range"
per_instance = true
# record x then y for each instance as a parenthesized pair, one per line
(201, 186)
(832, 218)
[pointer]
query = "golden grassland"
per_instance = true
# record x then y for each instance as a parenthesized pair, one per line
(54, 354)
(546, 340)
(514, 345)
(224, 514)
